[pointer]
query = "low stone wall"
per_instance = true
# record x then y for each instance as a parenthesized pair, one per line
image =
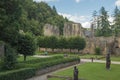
(60, 50)
(56, 67)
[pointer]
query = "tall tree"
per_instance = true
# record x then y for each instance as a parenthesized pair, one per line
(10, 12)
(26, 45)
(104, 26)
(117, 21)
(54, 10)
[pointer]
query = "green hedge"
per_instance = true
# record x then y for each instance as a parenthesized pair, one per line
(20, 74)
(52, 62)
(31, 66)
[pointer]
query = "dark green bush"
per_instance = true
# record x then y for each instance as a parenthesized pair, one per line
(97, 51)
(51, 62)
(30, 67)
(9, 60)
(20, 74)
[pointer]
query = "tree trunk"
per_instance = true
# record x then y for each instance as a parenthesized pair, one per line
(45, 49)
(70, 50)
(25, 57)
(39, 49)
(78, 50)
(52, 50)
(62, 50)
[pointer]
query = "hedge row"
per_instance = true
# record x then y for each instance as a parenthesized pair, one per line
(31, 67)
(52, 62)
(42, 59)
(20, 74)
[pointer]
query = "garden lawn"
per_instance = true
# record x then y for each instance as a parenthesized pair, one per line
(93, 71)
(114, 58)
(102, 57)
(21, 58)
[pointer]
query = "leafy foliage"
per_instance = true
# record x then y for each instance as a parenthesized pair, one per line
(9, 59)
(28, 16)
(116, 26)
(97, 51)
(28, 69)
(61, 43)
(103, 28)
(26, 45)
(20, 74)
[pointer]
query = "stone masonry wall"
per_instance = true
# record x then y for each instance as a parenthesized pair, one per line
(72, 29)
(103, 43)
(50, 30)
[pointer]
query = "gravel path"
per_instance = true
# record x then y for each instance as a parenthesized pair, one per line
(40, 56)
(100, 61)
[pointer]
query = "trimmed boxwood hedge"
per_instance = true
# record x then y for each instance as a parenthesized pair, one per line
(20, 74)
(51, 62)
(30, 67)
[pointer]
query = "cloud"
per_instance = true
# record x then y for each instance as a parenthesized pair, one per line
(44, 0)
(111, 19)
(117, 3)
(77, 1)
(84, 20)
(86, 24)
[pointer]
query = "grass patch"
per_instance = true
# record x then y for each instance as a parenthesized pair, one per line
(93, 71)
(21, 58)
(115, 58)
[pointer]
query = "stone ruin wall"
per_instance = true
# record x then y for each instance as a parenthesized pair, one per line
(75, 29)
(69, 30)
(103, 43)
(50, 30)
(72, 29)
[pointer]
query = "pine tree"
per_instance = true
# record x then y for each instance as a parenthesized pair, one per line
(116, 21)
(104, 26)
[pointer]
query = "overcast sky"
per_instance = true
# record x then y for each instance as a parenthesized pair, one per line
(80, 11)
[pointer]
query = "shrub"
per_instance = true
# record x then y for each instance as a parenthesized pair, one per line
(97, 51)
(9, 60)
(20, 74)
(31, 66)
(51, 62)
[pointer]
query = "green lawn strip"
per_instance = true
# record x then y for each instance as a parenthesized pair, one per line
(93, 71)
(21, 58)
(113, 58)
(102, 57)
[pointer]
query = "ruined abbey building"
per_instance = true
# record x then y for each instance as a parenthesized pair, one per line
(72, 29)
